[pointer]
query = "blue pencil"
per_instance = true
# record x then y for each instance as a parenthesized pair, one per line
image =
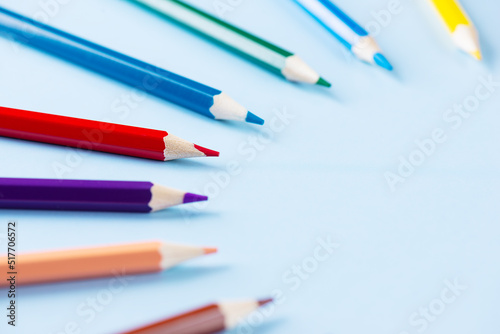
(346, 30)
(172, 87)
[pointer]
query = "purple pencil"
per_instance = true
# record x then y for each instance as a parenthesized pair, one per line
(83, 195)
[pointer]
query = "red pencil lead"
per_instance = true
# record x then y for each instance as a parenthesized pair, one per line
(206, 151)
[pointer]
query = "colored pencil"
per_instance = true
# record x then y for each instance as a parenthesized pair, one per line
(460, 26)
(86, 195)
(98, 262)
(190, 94)
(346, 30)
(210, 319)
(266, 54)
(98, 136)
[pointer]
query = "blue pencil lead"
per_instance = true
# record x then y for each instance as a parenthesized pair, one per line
(252, 118)
(381, 61)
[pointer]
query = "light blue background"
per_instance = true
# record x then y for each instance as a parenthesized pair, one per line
(323, 175)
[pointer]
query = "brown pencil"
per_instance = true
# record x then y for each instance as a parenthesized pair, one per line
(106, 261)
(205, 320)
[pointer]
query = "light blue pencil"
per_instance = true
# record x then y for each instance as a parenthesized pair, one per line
(346, 30)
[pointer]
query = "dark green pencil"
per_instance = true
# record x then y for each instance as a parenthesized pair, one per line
(268, 55)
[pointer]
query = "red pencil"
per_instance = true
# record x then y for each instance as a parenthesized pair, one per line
(97, 136)
(205, 320)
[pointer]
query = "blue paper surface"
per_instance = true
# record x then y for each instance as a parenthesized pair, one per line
(300, 209)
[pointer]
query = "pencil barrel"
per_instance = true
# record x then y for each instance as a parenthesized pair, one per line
(81, 133)
(141, 75)
(205, 320)
(118, 261)
(220, 32)
(76, 195)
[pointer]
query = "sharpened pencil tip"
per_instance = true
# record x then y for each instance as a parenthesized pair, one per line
(381, 61)
(323, 82)
(206, 151)
(252, 118)
(209, 250)
(477, 54)
(265, 301)
(192, 198)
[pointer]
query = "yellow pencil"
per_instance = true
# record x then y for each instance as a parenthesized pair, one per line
(462, 30)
